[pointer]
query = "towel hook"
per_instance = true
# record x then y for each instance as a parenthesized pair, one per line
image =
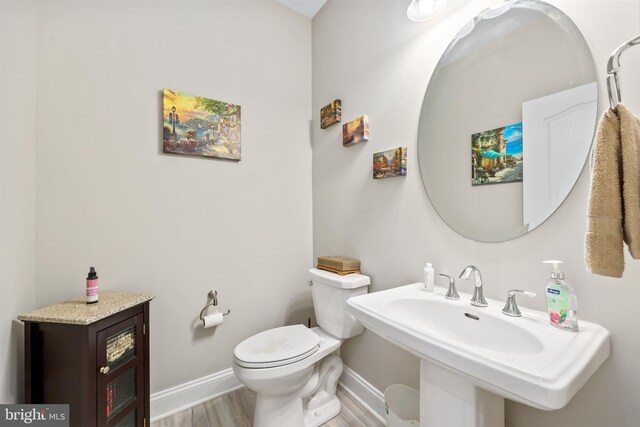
(613, 67)
(213, 295)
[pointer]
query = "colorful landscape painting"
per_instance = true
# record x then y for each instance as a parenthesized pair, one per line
(331, 114)
(496, 155)
(390, 163)
(355, 131)
(198, 126)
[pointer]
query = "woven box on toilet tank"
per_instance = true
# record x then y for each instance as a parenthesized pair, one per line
(330, 293)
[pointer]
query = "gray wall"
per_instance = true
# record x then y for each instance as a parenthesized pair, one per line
(171, 225)
(378, 62)
(17, 186)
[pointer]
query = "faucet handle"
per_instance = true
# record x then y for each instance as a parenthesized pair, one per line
(452, 293)
(511, 306)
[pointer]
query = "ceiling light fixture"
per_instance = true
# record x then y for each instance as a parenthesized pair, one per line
(423, 10)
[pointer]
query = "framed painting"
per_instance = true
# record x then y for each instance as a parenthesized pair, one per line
(198, 126)
(390, 163)
(355, 131)
(331, 114)
(496, 155)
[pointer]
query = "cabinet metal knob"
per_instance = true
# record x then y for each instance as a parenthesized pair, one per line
(104, 370)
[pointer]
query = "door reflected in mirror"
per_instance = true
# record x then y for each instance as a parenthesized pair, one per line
(512, 102)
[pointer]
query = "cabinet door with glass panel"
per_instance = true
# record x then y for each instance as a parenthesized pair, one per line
(120, 373)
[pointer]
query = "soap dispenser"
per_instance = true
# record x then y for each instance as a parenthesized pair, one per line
(429, 277)
(562, 303)
(92, 286)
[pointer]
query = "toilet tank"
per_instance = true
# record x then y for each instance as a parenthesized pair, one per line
(330, 293)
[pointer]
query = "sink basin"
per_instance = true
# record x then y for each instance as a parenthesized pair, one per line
(519, 358)
(471, 327)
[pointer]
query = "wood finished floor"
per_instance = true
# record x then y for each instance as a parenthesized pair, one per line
(236, 410)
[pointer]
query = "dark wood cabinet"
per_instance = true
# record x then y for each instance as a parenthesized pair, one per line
(100, 368)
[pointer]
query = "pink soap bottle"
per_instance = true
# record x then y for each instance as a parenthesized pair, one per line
(92, 286)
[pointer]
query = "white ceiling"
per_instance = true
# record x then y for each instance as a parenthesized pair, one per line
(307, 8)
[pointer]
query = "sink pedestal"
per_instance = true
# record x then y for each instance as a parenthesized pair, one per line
(448, 399)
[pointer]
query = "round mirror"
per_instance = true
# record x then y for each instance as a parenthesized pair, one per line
(507, 120)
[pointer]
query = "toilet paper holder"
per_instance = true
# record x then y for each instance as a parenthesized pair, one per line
(213, 294)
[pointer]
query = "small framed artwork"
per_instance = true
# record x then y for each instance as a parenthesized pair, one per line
(390, 163)
(197, 126)
(496, 155)
(331, 114)
(355, 131)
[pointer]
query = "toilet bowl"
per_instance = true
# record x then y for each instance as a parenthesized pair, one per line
(294, 370)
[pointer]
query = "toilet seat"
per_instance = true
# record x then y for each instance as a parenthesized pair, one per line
(277, 347)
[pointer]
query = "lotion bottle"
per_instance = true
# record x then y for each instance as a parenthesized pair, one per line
(562, 302)
(92, 286)
(429, 277)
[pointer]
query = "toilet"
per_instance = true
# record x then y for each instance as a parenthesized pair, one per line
(294, 370)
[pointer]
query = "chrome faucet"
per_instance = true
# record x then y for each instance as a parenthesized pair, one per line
(478, 296)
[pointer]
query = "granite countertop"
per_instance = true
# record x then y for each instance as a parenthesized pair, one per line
(78, 312)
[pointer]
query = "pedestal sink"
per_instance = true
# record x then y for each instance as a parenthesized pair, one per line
(472, 358)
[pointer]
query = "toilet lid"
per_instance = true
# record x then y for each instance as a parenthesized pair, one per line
(277, 347)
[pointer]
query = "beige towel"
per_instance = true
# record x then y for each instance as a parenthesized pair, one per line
(614, 199)
(630, 140)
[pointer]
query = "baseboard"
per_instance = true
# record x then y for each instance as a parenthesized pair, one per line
(184, 396)
(366, 394)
